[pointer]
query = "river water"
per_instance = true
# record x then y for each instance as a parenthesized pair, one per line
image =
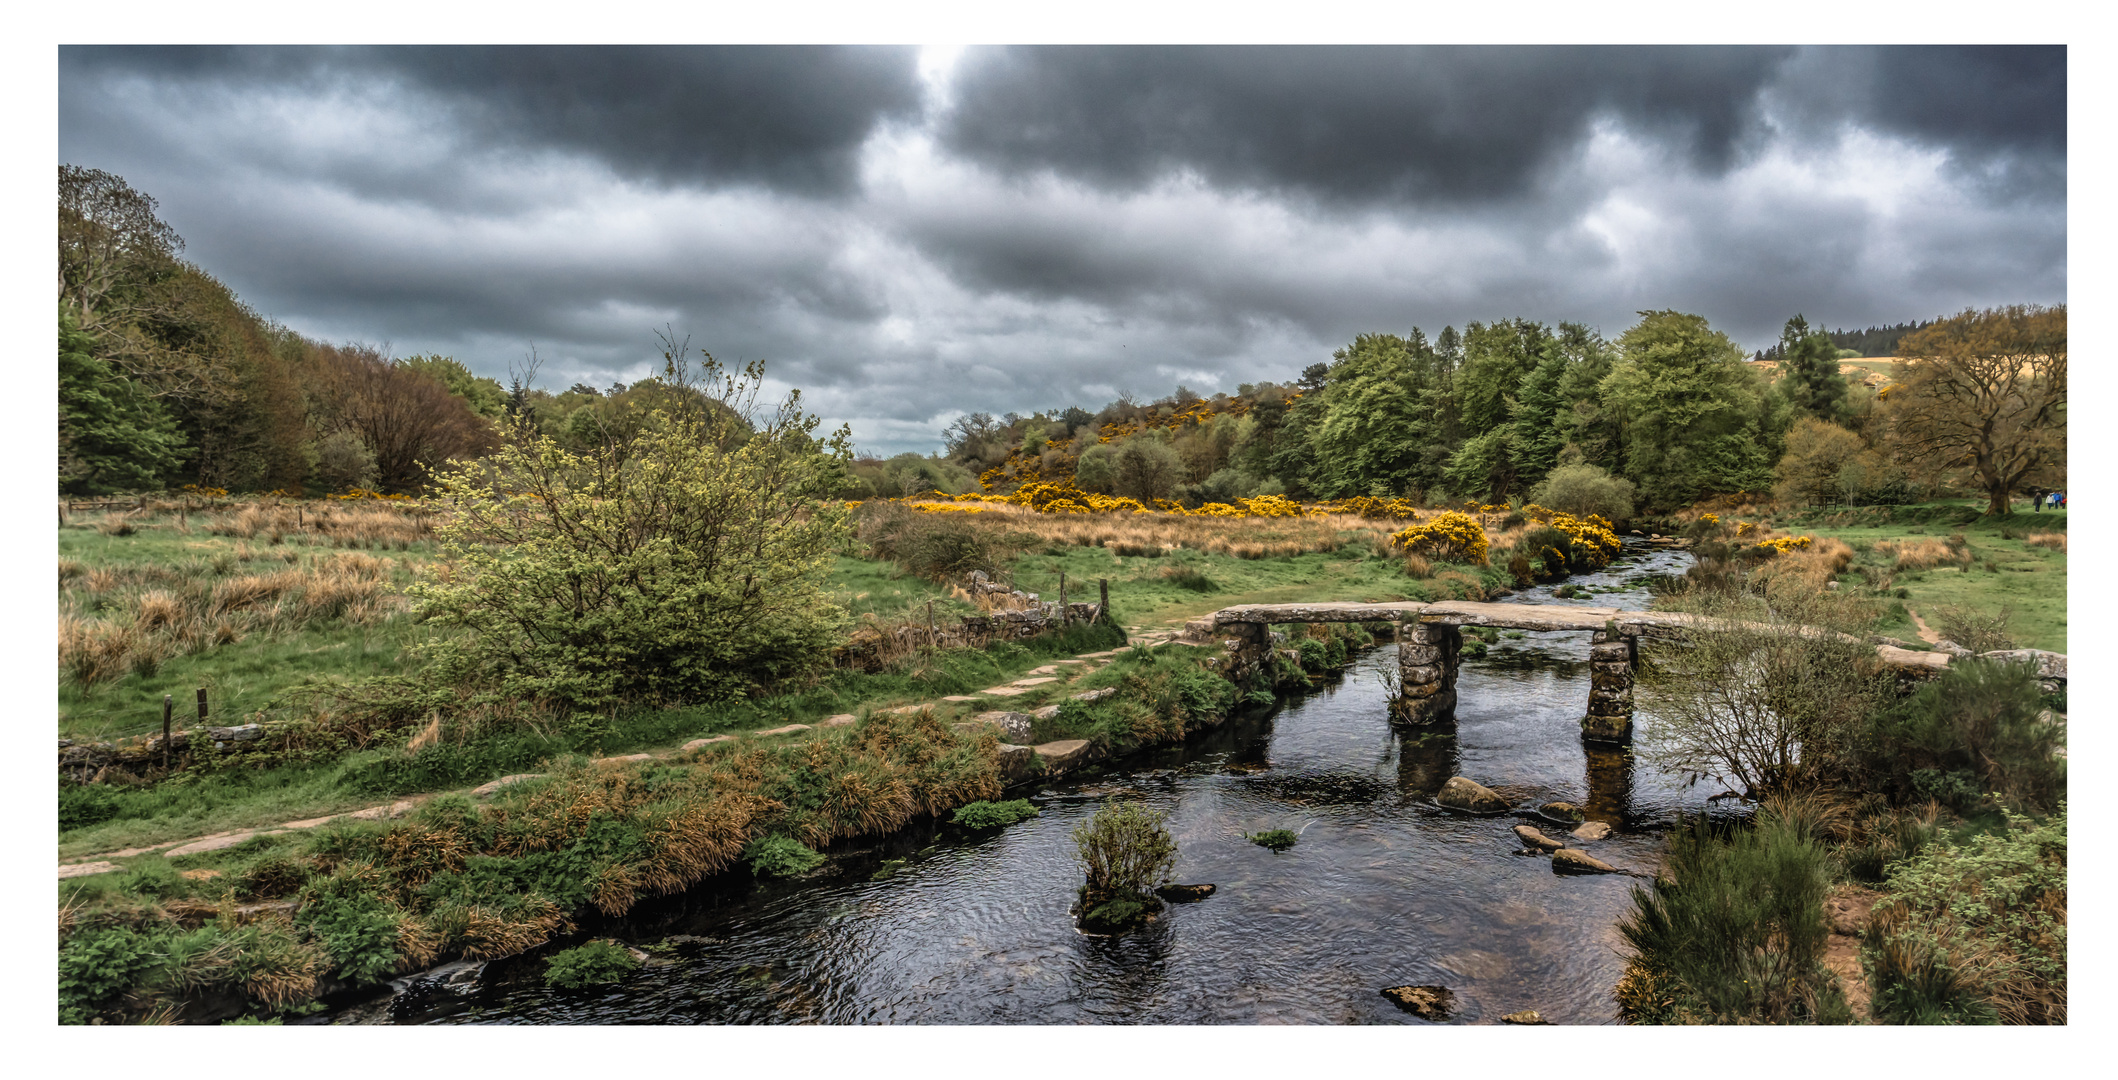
(940, 926)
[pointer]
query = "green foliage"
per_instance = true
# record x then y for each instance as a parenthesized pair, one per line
(779, 856)
(1809, 368)
(598, 963)
(1191, 578)
(1734, 931)
(683, 565)
(82, 805)
(486, 397)
(356, 926)
(932, 546)
(113, 434)
(985, 814)
(1583, 489)
(97, 965)
(1691, 411)
(1277, 840)
(1975, 933)
(1973, 729)
(1126, 850)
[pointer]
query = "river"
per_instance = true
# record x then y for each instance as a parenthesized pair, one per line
(940, 926)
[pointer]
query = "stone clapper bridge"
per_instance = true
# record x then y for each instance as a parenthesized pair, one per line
(1430, 637)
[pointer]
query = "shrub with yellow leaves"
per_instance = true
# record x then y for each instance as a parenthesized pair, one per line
(1450, 537)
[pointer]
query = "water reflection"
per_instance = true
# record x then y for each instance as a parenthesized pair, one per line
(1383, 889)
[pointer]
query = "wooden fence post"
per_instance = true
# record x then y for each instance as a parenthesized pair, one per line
(202, 706)
(168, 708)
(1062, 599)
(1103, 606)
(930, 624)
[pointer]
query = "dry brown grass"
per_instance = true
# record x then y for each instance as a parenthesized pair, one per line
(1914, 555)
(2057, 541)
(1150, 534)
(120, 619)
(1807, 570)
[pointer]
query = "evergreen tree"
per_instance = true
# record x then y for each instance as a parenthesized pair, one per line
(1809, 371)
(1690, 411)
(113, 436)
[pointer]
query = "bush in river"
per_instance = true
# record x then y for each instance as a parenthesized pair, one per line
(597, 963)
(984, 814)
(1128, 853)
(1275, 839)
(1734, 931)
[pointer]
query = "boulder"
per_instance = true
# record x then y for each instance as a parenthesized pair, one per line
(1565, 813)
(1016, 762)
(1526, 1016)
(1532, 838)
(1577, 861)
(1095, 695)
(1065, 753)
(1425, 1002)
(1592, 831)
(1046, 713)
(1015, 725)
(1184, 894)
(1469, 796)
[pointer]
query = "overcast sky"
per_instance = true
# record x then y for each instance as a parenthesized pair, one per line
(911, 234)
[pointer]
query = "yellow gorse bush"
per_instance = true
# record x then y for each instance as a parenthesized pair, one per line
(1594, 538)
(1781, 545)
(1452, 537)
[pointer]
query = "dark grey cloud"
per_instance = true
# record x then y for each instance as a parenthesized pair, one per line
(788, 117)
(1450, 123)
(1055, 226)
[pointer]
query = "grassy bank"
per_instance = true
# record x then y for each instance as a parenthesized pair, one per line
(210, 936)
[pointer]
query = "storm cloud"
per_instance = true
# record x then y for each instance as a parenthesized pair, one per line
(911, 234)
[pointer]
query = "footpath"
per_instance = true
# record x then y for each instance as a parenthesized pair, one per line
(1055, 755)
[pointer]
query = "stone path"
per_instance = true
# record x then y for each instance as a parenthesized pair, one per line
(1062, 754)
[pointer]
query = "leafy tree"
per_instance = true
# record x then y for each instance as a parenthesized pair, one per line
(1809, 371)
(1689, 410)
(1582, 489)
(1817, 453)
(486, 397)
(1145, 467)
(1986, 392)
(112, 435)
(407, 419)
(688, 568)
(1377, 416)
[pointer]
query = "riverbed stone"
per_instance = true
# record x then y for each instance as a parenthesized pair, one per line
(1065, 753)
(1468, 795)
(1016, 762)
(1526, 1016)
(1577, 861)
(1425, 1002)
(1532, 837)
(1592, 831)
(1184, 894)
(1563, 812)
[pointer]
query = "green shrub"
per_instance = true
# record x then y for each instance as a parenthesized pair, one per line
(1584, 489)
(98, 965)
(780, 856)
(1973, 729)
(1127, 852)
(1275, 839)
(1734, 932)
(685, 561)
(985, 814)
(357, 928)
(597, 963)
(1192, 578)
(1975, 933)
(81, 805)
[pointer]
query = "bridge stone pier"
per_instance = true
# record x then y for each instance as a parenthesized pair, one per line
(1430, 639)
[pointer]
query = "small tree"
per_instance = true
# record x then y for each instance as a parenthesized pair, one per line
(1128, 853)
(685, 565)
(1766, 694)
(1583, 489)
(1817, 455)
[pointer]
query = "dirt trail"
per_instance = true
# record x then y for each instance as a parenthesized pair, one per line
(1847, 911)
(99, 863)
(1925, 634)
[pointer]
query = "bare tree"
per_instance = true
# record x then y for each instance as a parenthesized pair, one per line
(1986, 391)
(407, 419)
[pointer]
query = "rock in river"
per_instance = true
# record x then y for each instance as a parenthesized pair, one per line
(1526, 1016)
(1470, 796)
(1565, 813)
(1594, 830)
(1531, 838)
(1425, 1002)
(1184, 894)
(1575, 860)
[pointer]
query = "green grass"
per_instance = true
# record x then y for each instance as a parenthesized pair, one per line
(1145, 593)
(2032, 581)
